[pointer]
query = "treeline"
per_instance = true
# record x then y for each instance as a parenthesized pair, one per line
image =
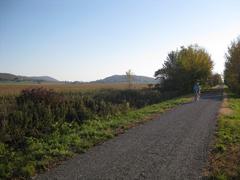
(184, 67)
(224, 162)
(232, 67)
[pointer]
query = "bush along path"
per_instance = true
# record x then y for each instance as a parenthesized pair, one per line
(41, 128)
(224, 161)
(172, 146)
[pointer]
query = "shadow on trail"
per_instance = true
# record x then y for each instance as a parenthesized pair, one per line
(215, 95)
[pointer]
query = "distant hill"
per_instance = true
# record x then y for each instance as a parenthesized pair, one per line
(44, 78)
(16, 78)
(123, 79)
(7, 77)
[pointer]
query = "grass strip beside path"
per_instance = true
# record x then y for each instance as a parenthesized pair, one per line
(224, 161)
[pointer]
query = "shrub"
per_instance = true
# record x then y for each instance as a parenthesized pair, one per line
(33, 115)
(39, 95)
(38, 112)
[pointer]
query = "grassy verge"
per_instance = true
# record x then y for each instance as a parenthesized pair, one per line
(68, 139)
(224, 160)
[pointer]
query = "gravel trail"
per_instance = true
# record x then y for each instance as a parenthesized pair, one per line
(173, 146)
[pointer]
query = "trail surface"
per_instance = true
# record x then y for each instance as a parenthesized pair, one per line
(173, 146)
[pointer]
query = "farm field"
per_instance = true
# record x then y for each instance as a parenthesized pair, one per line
(15, 89)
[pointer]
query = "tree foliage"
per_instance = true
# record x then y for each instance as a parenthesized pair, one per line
(232, 67)
(184, 67)
(215, 80)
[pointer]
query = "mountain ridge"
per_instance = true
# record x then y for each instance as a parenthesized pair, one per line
(136, 79)
(123, 79)
(18, 78)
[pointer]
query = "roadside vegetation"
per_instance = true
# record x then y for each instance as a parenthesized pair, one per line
(224, 161)
(41, 127)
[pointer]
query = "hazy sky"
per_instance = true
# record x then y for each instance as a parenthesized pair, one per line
(92, 39)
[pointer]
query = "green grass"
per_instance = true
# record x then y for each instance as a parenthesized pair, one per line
(68, 139)
(225, 157)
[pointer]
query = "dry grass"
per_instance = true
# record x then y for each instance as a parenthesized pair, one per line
(14, 89)
(226, 164)
(225, 110)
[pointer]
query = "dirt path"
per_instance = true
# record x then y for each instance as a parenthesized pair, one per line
(173, 146)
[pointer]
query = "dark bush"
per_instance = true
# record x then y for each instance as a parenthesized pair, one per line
(33, 116)
(135, 98)
(38, 112)
(7, 105)
(39, 95)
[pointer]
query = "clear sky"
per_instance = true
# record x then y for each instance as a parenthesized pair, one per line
(91, 39)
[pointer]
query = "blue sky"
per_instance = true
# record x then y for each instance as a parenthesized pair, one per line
(91, 39)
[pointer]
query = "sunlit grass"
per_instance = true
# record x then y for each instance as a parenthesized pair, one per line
(225, 158)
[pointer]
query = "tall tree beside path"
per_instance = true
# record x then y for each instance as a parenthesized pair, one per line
(183, 68)
(232, 67)
(129, 76)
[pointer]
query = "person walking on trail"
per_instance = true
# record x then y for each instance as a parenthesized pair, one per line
(197, 91)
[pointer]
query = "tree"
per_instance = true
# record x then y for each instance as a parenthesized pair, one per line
(215, 80)
(183, 68)
(232, 67)
(129, 76)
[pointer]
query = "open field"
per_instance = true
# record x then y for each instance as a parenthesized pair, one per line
(15, 89)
